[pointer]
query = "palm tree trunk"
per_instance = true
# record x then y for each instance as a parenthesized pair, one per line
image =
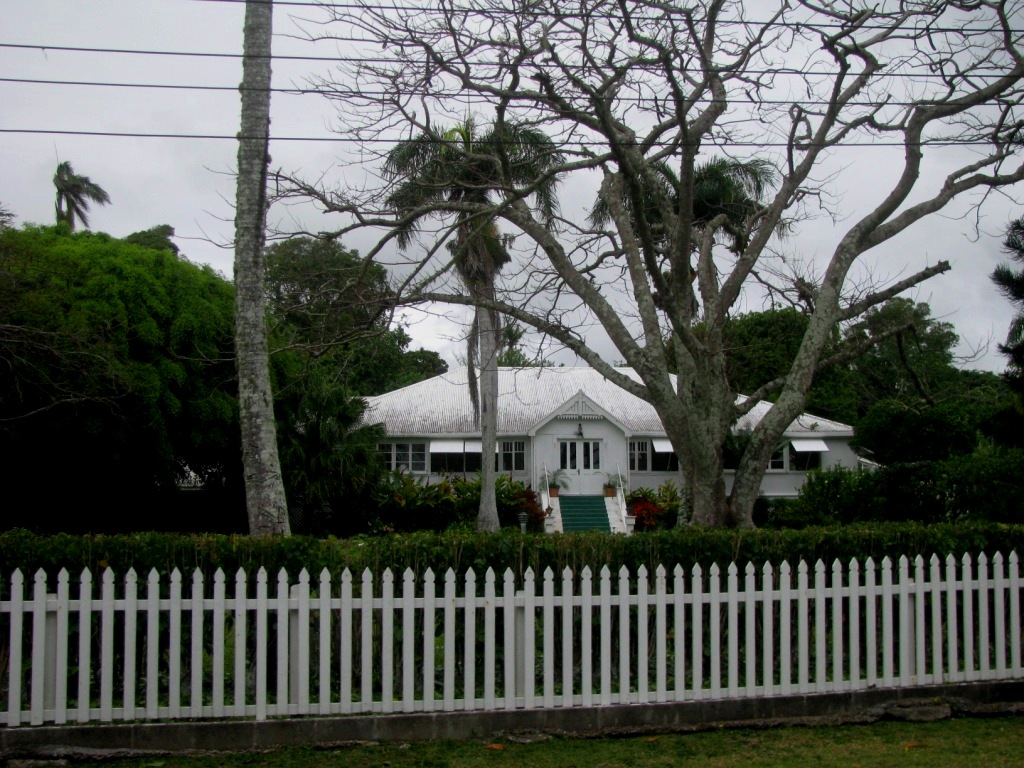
(264, 489)
(487, 518)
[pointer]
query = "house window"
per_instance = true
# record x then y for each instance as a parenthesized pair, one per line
(804, 462)
(638, 456)
(459, 463)
(454, 456)
(777, 462)
(404, 457)
(805, 454)
(664, 462)
(513, 456)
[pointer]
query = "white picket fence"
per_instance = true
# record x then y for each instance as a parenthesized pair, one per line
(371, 645)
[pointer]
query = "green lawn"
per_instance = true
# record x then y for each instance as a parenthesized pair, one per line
(986, 743)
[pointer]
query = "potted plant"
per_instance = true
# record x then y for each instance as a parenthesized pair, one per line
(556, 479)
(612, 482)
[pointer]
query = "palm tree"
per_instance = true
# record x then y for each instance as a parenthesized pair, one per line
(74, 193)
(731, 187)
(265, 498)
(462, 170)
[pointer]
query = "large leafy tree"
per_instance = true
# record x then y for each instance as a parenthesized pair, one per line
(116, 383)
(75, 193)
(915, 362)
(455, 172)
(326, 305)
(321, 296)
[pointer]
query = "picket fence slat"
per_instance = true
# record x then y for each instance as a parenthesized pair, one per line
(586, 637)
(509, 649)
(568, 665)
(679, 631)
(1015, 629)
(346, 656)
(529, 669)
(548, 636)
(63, 629)
(340, 646)
(624, 635)
(732, 601)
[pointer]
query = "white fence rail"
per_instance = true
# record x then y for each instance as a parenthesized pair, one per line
(167, 650)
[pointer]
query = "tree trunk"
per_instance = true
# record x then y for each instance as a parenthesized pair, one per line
(487, 517)
(746, 488)
(703, 468)
(264, 489)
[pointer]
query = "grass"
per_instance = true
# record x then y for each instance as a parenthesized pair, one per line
(961, 743)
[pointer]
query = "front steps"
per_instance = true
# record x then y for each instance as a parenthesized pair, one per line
(583, 513)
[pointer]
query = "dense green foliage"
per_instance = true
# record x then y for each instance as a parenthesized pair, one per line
(762, 346)
(461, 549)
(1010, 280)
(403, 503)
(981, 486)
(914, 367)
(117, 381)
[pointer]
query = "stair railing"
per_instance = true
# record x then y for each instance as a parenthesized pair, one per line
(626, 520)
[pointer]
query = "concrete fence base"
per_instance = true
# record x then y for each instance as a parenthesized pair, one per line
(922, 703)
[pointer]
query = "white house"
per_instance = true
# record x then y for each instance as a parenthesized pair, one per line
(575, 420)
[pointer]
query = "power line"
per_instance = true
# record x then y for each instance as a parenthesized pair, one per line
(525, 12)
(437, 94)
(929, 74)
(170, 86)
(344, 139)
(199, 54)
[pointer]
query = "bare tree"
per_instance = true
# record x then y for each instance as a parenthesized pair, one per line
(627, 90)
(264, 489)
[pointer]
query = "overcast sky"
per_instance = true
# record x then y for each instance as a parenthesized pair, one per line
(188, 182)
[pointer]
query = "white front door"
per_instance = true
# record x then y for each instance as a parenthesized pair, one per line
(581, 460)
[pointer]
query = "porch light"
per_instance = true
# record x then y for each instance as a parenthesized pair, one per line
(579, 430)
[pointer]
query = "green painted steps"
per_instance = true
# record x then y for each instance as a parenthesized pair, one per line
(583, 513)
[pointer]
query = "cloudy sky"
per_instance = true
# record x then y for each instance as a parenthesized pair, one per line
(188, 182)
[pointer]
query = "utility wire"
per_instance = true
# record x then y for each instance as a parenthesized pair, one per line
(746, 99)
(346, 139)
(381, 60)
(469, 10)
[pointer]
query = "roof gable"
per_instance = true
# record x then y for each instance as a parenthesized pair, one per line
(578, 408)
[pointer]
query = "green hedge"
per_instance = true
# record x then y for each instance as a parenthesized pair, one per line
(462, 550)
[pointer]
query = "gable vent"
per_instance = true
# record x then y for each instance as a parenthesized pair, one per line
(581, 409)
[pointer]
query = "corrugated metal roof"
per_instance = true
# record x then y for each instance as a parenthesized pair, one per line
(528, 396)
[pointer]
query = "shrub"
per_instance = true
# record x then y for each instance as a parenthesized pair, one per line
(655, 510)
(984, 485)
(406, 504)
